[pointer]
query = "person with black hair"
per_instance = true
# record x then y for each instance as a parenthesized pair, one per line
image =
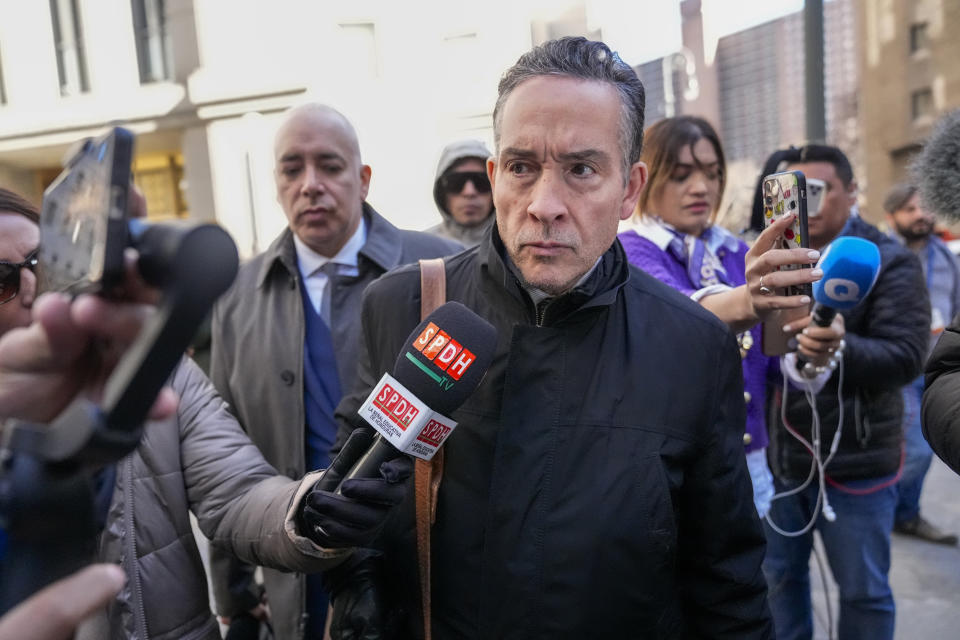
(886, 339)
(596, 485)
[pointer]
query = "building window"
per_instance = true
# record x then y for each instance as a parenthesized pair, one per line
(153, 42)
(68, 38)
(921, 103)
(919, 40)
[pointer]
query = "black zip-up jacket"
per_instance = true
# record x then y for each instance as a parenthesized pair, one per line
(887, 337)
(596, 485)
(941, 399)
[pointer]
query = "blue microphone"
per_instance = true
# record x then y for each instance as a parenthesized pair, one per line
(850, 269)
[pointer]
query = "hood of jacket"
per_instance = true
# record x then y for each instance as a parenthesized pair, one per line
(448, 227)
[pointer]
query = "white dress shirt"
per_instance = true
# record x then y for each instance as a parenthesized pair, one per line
(310, 262)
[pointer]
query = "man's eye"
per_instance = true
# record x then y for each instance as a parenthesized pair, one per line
(582, 170)
(519, 168)
(332, 169)
(289, 172)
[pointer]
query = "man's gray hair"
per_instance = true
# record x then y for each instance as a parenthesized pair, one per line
(589, 60)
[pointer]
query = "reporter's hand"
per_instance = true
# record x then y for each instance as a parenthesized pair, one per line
(762, 261)
(55, 612)
(72, 347)
(355, 516)
(817, 344)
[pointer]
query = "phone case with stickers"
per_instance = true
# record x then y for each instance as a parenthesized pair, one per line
(784, 193)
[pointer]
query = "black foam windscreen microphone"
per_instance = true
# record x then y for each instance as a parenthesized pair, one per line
(439, 366)
(936, 170)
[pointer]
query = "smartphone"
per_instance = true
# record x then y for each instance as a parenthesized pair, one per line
(815, 190)
(784, 193)
(83, 220)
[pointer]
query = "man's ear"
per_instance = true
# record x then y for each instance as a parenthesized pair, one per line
(853, 190)
(365, 173)
(492, 171)
(636, 181)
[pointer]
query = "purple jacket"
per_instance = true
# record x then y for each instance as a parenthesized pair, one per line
(646, 248)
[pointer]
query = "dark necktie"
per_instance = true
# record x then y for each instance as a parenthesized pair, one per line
(329, 269)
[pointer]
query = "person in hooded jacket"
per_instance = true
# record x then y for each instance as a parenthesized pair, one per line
(462, 193)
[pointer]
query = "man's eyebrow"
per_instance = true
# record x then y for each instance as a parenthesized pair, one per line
(587, 154)
(294, 156)
(516, 152)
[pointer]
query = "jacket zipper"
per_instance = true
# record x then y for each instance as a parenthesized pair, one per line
(540, 310)
(140, 614)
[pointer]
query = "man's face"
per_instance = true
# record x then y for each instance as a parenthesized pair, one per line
(912, 221)
(835, 206)
(472, 203)
(558, 183)
(321, 184)
(19, 237)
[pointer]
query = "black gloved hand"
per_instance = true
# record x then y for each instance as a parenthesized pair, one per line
(354, 517)
(358, 608)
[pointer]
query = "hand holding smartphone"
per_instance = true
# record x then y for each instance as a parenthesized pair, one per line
(785, 193)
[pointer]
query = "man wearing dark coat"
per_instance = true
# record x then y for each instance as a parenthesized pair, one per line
(285, 335)
(596, 485)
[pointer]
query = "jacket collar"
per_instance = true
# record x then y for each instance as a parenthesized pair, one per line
(600, 289)
(382, 248)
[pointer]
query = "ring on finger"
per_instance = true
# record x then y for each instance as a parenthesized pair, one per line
(765, 290)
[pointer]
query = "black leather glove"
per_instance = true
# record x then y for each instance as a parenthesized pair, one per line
(358, 608)
(355, 516)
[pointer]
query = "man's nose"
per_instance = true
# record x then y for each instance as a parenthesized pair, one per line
(469, 189)
(28, 287)
(547, 203)
(312, 183)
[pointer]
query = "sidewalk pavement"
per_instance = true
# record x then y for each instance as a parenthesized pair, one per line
(925, 576)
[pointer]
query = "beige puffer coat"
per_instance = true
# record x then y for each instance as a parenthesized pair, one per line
(199, 461)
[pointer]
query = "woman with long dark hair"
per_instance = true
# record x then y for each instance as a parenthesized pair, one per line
(674, 240)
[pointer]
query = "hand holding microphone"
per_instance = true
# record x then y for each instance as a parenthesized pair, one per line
(850, 268)
(441, 363)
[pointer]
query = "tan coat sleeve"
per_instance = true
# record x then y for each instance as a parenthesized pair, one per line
(240, 501)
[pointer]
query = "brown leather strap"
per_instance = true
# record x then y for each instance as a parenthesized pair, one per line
(428, 473)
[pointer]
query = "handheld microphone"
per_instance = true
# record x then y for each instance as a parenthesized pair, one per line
(936, 170)
(850, 269)
(442, 362)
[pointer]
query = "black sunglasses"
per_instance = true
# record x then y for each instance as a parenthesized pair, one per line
(10, 275)
(453, 183)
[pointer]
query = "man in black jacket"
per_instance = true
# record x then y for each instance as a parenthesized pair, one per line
(596, 485)
(886, 337)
